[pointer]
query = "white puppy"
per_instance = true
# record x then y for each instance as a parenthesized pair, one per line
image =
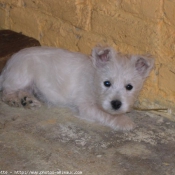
(101, 87)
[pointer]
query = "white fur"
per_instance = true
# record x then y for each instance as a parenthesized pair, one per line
(61, 77)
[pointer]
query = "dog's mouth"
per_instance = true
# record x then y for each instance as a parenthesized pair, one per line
(121, 110)
(115, 112)
(115, 107)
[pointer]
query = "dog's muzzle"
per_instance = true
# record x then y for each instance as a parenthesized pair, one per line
(116, 104)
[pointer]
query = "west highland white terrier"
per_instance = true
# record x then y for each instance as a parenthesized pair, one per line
(101, 87)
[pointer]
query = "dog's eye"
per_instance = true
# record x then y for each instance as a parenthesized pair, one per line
(128, 87)
(107, 83)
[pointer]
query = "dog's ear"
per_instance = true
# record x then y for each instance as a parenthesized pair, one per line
(101, 56)
(143, 64)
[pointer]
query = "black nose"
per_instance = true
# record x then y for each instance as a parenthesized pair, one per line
(116, 104)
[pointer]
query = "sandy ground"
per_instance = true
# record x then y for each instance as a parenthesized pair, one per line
(53, 141)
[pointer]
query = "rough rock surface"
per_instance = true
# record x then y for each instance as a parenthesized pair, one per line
(52, 139)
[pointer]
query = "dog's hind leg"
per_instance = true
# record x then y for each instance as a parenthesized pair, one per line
(11, 98)
(20, 98)
(17, 87)
(28, 100)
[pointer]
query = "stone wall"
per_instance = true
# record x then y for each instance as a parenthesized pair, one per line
(130, 26)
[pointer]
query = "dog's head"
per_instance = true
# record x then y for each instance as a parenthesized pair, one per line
(118, 79)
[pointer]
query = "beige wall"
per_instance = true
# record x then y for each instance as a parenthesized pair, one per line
(131, 26)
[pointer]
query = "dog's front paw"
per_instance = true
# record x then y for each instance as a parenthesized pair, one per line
(123, 123)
